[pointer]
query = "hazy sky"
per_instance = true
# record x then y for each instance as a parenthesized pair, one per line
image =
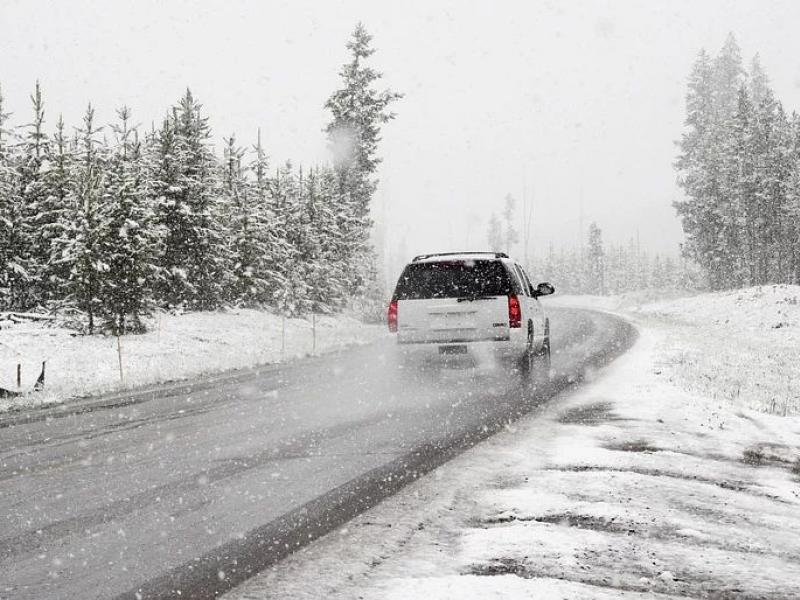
(567, 100)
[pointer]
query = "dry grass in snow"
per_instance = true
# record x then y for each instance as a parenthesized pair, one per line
(742, 346)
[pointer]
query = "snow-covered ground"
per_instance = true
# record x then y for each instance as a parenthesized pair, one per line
(641, 485)
(176, 347)
(742, 346)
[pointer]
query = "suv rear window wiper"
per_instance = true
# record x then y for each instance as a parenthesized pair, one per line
(473, 298)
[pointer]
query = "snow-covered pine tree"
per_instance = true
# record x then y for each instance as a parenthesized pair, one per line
(10, 246)
(128, 239)
(248, 226)
(329, 290)
(757, 81)
(510, 235)
(188, 208)
(792, 207)
(270, 265)
(728, 77)
(494, 234)
(595, 259)
(358, 111)
(735, 204)
(79, 246)
(62, 213)
(34, 219)
(776, 166)
(293, 298)
(698, 168)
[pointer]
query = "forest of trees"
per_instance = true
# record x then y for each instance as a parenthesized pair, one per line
(109, 222)
(593, 267)
(600, 269)
(739, 166)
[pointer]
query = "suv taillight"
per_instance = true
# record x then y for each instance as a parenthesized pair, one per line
(391, 316)
(514, 312)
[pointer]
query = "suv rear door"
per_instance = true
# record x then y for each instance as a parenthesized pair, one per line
(453, 301)
(534, 309)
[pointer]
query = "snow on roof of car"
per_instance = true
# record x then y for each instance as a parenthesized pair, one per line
(458, 256)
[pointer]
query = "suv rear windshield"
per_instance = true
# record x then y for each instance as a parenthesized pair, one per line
(453, 279)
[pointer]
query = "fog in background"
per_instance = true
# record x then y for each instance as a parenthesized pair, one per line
(569, 104)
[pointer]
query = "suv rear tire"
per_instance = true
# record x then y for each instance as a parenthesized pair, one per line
(534, 366)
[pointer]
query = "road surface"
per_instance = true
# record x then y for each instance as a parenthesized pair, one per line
(195, 488)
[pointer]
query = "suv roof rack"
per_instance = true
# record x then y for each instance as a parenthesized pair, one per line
(424, 256)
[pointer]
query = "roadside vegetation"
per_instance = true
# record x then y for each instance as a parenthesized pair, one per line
(106, 223)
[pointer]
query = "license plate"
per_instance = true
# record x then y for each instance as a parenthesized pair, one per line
(452, 349)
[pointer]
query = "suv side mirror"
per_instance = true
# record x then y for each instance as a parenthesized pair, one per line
(543, 289)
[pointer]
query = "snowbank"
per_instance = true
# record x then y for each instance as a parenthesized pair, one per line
(177, 347)
(742, 346)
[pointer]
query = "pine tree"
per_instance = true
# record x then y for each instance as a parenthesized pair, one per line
(728, 77)
(250, 234)
(758, 81)
(32, 223)
(79, 247)
(61, 214)
(595, 256)
(510, 235)
(270, 267)
(188, 208)
(9, 211)
(127, 240)
(358, 111)
(494, 234)
(698, 167)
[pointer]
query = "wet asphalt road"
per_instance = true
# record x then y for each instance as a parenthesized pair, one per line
(196, 488)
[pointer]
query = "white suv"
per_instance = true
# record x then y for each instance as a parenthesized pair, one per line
(472, 303)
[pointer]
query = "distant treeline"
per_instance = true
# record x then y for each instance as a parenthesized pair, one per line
(111, 222)
(597, 268)
(739, 165)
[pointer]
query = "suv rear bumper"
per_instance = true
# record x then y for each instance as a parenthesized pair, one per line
(455, 350)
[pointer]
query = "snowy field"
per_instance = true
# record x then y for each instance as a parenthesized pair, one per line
(742, 346)
(176, 347)
(641, 485)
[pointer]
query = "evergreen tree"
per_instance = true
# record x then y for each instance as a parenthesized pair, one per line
(128, 240)
(595, 261)
(495, 234)
(358, 111)
(32, 223)
(188, 208)
(10, 250)
(61, 214)
(270, 266)
(510, 235)
(79, 247)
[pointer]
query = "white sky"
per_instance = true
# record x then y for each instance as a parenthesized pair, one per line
(571, 99)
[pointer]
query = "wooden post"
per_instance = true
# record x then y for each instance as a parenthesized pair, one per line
(119, 359)
(19, 375)
(283, 335)
(313, 333)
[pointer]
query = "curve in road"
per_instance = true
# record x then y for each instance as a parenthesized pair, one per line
(190, 491)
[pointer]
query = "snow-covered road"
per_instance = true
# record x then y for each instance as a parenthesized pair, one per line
(638, 486)
(196, 489)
